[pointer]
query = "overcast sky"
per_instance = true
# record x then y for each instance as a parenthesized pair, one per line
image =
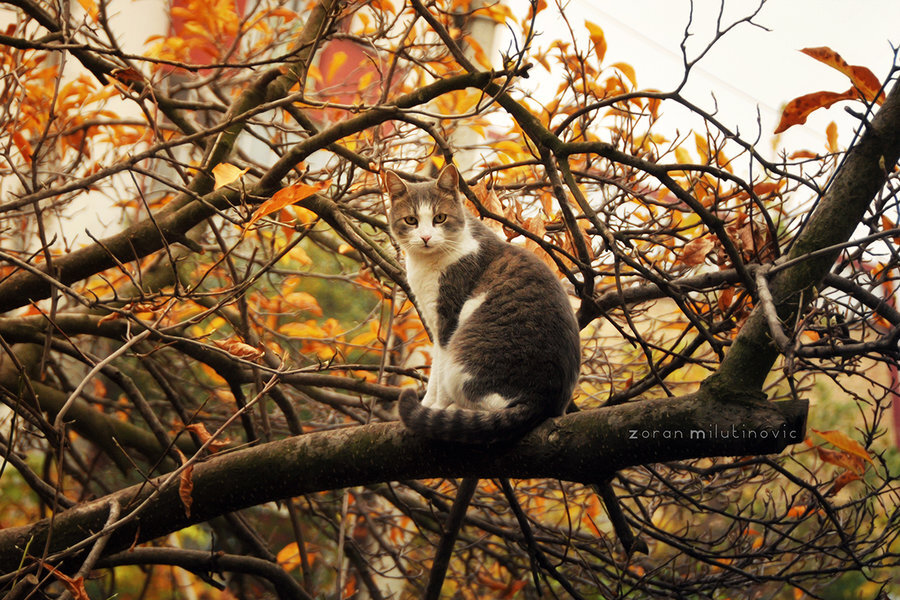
(750, 67)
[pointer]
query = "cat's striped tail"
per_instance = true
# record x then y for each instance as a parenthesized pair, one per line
(467, 426)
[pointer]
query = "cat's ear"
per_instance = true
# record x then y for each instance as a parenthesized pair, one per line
(393, 184)
(448, 179)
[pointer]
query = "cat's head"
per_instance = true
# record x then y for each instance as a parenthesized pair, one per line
(428, 217)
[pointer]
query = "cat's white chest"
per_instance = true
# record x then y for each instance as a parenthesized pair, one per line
(424, 270)
(425, 284)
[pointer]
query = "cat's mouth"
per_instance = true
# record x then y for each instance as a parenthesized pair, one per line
(423, 246)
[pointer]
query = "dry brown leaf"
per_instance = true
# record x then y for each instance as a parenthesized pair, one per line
(845, 443)
(239, 349)
(695, 251)
(186, 485)
(214, 445)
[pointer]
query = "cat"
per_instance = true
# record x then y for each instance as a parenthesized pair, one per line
(507, 351)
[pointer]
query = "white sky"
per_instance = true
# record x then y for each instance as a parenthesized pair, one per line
(750, 67)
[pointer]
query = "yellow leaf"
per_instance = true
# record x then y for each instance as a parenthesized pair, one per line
(309, 329)
(285, 197)
(702, 146)
(225, 173)
(337, 61)
(682, 156)
(90, 7)
(626, 70)
(364, 339)
(289, 557)
(299, 254)
(510, 148)
(598, 39)
(304, 215)
(832, 132)
(304, 301)
(480, 55)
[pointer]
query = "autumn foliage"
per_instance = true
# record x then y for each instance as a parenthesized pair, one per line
(195, 267)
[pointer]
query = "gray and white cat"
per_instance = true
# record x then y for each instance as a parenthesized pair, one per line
(506, 345)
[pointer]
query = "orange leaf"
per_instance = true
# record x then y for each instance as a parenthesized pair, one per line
(598, 39)
(90, 7)
(799, 511)
(840, 440)
(23, 146)
(75, 585)
(199, 429)
(832, 134)
(304, 301)
(285, 197)
(534, 9)
(289, 557)
(798, 109)
(863, 79)
(225, 173)
(887, 225)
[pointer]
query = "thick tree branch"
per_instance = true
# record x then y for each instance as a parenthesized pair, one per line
(584, 447)
(836, 217)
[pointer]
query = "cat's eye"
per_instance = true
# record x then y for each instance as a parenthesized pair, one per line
(438, 219)
(411, 221)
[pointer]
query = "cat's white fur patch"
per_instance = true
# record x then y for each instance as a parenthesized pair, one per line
(451, 379)
(494, 402)
(470, 306)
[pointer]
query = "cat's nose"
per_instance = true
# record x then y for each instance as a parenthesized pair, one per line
(425, 239)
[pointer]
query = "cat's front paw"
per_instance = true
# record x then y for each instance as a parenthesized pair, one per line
(430, 399)
(407, 404)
